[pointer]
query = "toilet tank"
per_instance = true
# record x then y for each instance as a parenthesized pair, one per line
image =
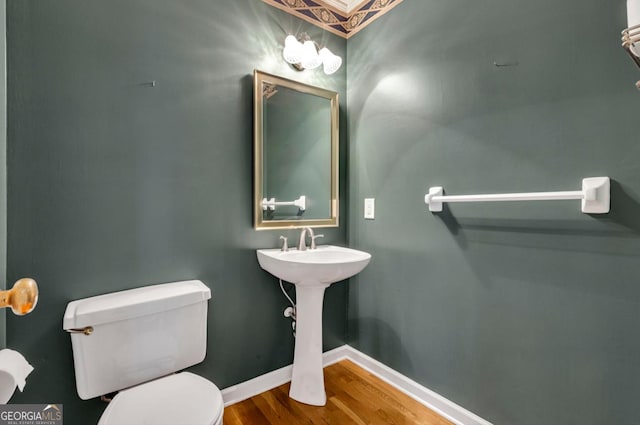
(136, 335)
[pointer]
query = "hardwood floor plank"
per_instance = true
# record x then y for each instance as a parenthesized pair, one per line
(244, 413)
(354, 397)
(392, 397)
(355, 418)
(272, 407)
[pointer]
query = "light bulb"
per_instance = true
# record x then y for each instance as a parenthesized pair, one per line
(310, 57)
(330, 61)
(633, 13)
(292, 51)
(633, 18)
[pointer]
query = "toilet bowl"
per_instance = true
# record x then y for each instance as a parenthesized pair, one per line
(132, 342)
(183, 398)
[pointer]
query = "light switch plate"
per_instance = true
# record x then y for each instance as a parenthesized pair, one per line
(369, 208)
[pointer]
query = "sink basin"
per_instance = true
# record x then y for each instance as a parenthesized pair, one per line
(312, 271)
(324, 265)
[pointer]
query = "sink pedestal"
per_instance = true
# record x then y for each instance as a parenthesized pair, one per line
(307, 380)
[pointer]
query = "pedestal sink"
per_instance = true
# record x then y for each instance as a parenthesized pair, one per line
(312, 271)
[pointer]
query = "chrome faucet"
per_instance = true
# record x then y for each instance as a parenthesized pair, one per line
(302, 243)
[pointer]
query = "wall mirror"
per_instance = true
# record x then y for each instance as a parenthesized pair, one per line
(295, 153)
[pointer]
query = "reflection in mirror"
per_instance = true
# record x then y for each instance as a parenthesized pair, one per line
(296, 154)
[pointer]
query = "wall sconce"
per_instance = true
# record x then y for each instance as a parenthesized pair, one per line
(307, 54)
(631, 36)
(22, 298)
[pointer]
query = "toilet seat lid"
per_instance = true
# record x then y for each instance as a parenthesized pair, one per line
(183, 398)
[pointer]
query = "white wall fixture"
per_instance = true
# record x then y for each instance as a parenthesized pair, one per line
(631, 35)
(303, 53)
(369, 208)
(271, 204)
(595, 196)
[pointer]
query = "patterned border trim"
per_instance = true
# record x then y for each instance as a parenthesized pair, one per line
(326, 17)
(268, 90)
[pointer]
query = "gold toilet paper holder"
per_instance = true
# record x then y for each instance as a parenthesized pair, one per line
(22, 298)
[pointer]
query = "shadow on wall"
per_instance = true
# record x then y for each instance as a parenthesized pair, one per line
(625, 208)
(622, 222)
(382, 343)
(549, 250)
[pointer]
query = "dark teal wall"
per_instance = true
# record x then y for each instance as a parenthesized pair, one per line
(3, 165)
(524, 313)
(115, 184)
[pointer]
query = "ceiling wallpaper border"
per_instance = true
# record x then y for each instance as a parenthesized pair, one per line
(333, 20)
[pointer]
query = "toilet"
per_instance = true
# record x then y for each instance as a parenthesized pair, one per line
(133, 342)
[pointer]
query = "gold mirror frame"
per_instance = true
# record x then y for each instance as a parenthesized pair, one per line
(259, 78)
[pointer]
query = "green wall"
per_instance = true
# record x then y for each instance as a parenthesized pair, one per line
(3, 164)
(524, 313)
(115, 184)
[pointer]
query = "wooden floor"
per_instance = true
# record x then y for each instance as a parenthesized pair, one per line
(354, 396)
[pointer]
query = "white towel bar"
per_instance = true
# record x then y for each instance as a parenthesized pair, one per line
(271, 204)
(595, 196)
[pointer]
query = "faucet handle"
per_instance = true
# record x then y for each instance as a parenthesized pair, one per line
(313, 240)
(285, 247)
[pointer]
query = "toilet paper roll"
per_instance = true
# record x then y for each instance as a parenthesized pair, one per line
(14, 370)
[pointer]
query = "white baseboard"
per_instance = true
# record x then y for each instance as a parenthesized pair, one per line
(271, 380)
(255, 386)
(423, 395)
